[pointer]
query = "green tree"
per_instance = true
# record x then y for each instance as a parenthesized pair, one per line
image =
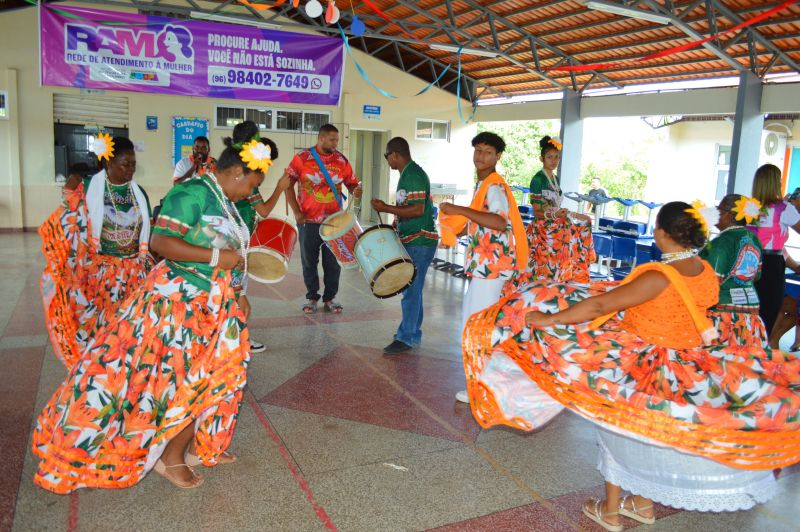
(620, 178)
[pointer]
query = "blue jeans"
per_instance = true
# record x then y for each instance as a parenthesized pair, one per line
(410, 330)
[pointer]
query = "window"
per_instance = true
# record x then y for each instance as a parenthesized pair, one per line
(721, 169)
(229, 116)
(313, 121)
(272, 119)
(3, 105)
(262, 117)
(286, 120)
(433, 129)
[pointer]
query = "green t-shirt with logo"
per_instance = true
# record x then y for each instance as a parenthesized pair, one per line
(735, 256)
(413, 188)
(191, 211)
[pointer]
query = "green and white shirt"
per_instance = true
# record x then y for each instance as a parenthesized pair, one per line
(192, 212)
(414, 188)
(122, 220)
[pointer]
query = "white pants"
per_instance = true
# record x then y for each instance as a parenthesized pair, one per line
(480, 294)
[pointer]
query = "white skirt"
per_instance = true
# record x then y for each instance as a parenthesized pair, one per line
(680, 480)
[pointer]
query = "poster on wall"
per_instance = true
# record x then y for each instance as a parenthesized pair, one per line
(91, 48)
(184, 131)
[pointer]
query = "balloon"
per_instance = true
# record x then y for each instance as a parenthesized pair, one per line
(313, 8)
(357, 27)
(332, 14)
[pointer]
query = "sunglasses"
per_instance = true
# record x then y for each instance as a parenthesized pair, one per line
(387, 154)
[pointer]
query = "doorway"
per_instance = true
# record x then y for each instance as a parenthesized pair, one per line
(366, 154)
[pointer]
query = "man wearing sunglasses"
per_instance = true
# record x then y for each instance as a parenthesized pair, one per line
(415, 226)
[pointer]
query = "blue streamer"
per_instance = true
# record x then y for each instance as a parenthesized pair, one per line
(360, 69)
(458, 95)
(432, 83)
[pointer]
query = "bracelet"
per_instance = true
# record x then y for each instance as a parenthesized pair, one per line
(214, 258)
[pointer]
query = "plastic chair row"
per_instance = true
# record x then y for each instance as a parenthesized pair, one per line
(624, 250)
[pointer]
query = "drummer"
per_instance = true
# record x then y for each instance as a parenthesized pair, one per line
(319, 173)
(417, 231)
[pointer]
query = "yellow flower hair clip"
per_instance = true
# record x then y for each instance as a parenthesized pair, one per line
(747, 209)
(257, 155)
(707, 216)
(556, 143)
(103, 146)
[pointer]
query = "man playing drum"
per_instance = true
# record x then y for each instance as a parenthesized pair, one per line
(319, 172)
(416, 229)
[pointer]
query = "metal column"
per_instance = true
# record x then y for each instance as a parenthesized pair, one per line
(747, 127)
(569, 172)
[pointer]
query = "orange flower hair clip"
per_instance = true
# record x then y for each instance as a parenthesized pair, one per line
(257, 155)
(747, 209)
(103, 146)
(707, 216)
(556, 143)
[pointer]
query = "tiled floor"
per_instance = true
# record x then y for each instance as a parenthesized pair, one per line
(332, 433)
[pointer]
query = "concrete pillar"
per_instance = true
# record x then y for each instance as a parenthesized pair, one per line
(747, 127)
(569, 172)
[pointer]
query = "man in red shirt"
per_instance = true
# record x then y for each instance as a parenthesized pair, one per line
(314, 201)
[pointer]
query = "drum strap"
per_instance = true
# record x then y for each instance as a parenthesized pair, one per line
(339, 197)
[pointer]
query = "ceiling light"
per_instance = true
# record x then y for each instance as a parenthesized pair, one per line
(215, 17)
(464, 51)
(628, 12)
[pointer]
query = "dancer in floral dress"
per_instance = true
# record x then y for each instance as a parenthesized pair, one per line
(160, 385)
(694, 427)
(735, 254)
(96, 246)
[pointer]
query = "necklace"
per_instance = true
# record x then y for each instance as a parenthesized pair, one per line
(124, 242)
(553, 186)
(666, 258)
(238, 222)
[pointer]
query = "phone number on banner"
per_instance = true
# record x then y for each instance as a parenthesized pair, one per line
(246, 78)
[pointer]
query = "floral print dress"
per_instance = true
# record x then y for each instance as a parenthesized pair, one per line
(84, 282)
(174, 353)
(737, 406)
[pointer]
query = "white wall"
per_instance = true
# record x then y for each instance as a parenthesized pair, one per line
(28, 192)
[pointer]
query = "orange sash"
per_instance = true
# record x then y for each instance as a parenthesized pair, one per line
(451, 225)
(708, 333)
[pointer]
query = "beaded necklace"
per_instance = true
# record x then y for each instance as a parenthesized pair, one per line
(124, 242)
(238, 222)
(666, 258)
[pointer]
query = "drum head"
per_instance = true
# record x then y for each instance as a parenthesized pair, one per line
(394, 278)
(266, 266)
(336, 224)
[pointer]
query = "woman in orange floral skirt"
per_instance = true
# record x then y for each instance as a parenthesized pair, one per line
(96, 246)
(694, 427)
(159, 385)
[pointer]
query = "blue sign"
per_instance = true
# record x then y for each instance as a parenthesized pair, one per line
(372, 112)
(184, 131)
(152, 123)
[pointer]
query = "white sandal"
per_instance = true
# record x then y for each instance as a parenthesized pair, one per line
(597, 515)
(161, 468)
(635, 513)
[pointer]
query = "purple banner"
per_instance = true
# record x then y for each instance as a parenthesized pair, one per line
(121, 51)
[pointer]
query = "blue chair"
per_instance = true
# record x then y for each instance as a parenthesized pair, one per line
(644, 253)
(526, 210)
(656, 253)
(606, 223)
(624, 251)
(792, 288)
(628, 228)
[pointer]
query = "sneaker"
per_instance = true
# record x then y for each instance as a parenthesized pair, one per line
(397, 347)
(257, 347)
(462, 397)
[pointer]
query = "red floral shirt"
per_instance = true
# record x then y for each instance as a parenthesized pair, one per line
(315, 197)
